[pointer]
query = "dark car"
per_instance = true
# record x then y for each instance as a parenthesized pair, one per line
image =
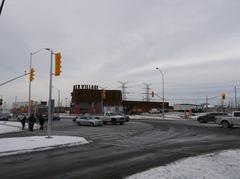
(210, 117)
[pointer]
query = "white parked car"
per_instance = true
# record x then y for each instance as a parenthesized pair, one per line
(229, 120)
(88, 121)
(113, 118)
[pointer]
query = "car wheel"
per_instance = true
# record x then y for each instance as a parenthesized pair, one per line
(225, 124)
(104, 122)
(121, 123)
(92, 124)
(201, 120)
(114, 122)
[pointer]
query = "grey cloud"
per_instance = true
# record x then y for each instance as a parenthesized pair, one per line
(106, 41)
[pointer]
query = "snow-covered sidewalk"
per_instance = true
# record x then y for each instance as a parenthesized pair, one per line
(9, 126)
(220, 165)
(18, 145)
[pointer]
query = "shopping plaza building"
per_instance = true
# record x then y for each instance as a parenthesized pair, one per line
(91, 99)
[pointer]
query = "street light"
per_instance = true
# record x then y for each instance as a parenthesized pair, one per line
(30, 67)
(163, 110)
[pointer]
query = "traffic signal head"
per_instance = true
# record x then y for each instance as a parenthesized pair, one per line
(223, 96)
(152, 94)
(1, 102)
(58, 61)
(32, 74)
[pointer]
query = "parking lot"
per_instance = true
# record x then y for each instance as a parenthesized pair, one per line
(116, 151)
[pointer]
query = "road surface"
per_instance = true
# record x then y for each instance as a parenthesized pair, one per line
(117, 151)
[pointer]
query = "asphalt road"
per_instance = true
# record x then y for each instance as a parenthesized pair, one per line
(118, 151)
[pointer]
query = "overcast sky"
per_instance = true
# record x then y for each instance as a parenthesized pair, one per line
(195, 43)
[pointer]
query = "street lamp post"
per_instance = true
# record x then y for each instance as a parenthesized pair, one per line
(163, 110)
(30, 66)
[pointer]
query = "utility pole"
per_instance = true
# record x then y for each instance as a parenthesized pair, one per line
(206, 103)
(235, 92)
(163, 109)
(66, 102)
(123, 89)
(147, 91)
(147, 95)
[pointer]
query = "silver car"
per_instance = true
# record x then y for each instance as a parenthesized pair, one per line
(88, 121)
(4, 116)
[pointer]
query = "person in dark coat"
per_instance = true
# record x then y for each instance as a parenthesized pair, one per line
(41, 121)
(31, 122)
(23, 122)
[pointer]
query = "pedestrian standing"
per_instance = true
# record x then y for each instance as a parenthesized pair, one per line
(41, 121)
(31, 122)
(23, 122)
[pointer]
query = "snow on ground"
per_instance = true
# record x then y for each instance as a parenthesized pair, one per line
(168, 116)
(220, 165)
(8, 129)
(9, 126)
(17, 145)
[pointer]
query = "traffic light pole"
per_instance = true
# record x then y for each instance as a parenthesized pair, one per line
(49, 129)
(29, 90)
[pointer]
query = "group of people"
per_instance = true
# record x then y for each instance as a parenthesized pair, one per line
(31, 121)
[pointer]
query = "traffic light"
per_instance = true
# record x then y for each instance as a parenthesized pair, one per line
(58, 61)
(103, 94)
(223, 96)
(152, 94)
(32, 74)
(1, 102)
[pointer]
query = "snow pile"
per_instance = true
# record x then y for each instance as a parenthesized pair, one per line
(16, 145)
(223, 165)
(8, 126)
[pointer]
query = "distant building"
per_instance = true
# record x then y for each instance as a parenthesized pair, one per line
(185, 107)
(36, 107)
(135, 107)
(90, 99)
